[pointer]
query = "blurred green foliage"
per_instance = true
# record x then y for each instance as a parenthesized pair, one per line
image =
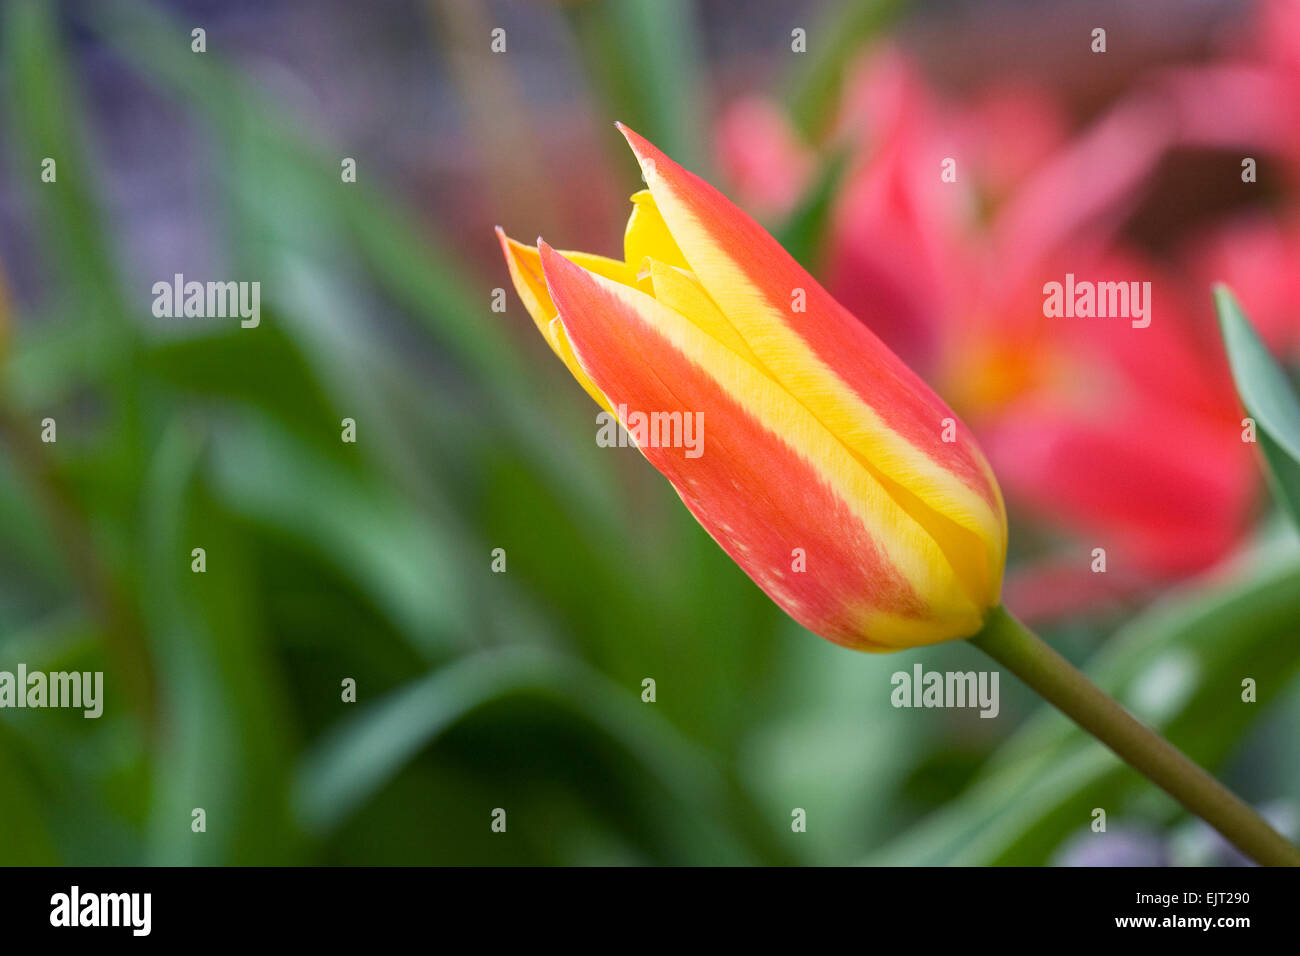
(805, 231)
(643, 59)
(372, 561)
(838, 37)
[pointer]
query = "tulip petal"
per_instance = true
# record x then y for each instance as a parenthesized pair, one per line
(840, 371)
(771, 477)
(526, 273)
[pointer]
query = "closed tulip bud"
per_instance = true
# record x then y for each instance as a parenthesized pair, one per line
(819, 441)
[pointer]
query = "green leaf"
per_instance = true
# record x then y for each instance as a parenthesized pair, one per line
(42, 116)
(1268, 398)
(833, 42)
(232, 366)
(410, 566)
(643, 58)
(24, 839)
(804, 233)
(360, 756)
(226, 744)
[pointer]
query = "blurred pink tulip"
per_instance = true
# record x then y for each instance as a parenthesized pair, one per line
(1127, 438)
(766, 163)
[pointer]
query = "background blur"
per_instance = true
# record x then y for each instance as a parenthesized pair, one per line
(372, 561)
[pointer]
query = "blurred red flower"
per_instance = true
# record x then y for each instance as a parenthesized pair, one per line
(1127, 438)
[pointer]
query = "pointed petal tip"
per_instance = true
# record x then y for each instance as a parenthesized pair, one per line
(549, 255)
(551, 260)
(511, 247)
(641, 146)
(556, 267)
(506, 244)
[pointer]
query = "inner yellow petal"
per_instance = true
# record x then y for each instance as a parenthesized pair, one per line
(647, 235)
(602, 266)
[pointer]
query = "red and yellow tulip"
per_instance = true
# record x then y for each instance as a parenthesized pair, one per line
(831, 474)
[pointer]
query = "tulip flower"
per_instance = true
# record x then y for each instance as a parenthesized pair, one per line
(819, 443)
(831, 473)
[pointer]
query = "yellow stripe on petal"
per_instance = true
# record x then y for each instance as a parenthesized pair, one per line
(680, 291)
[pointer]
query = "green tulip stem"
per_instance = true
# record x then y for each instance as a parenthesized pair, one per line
(1058, 681)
